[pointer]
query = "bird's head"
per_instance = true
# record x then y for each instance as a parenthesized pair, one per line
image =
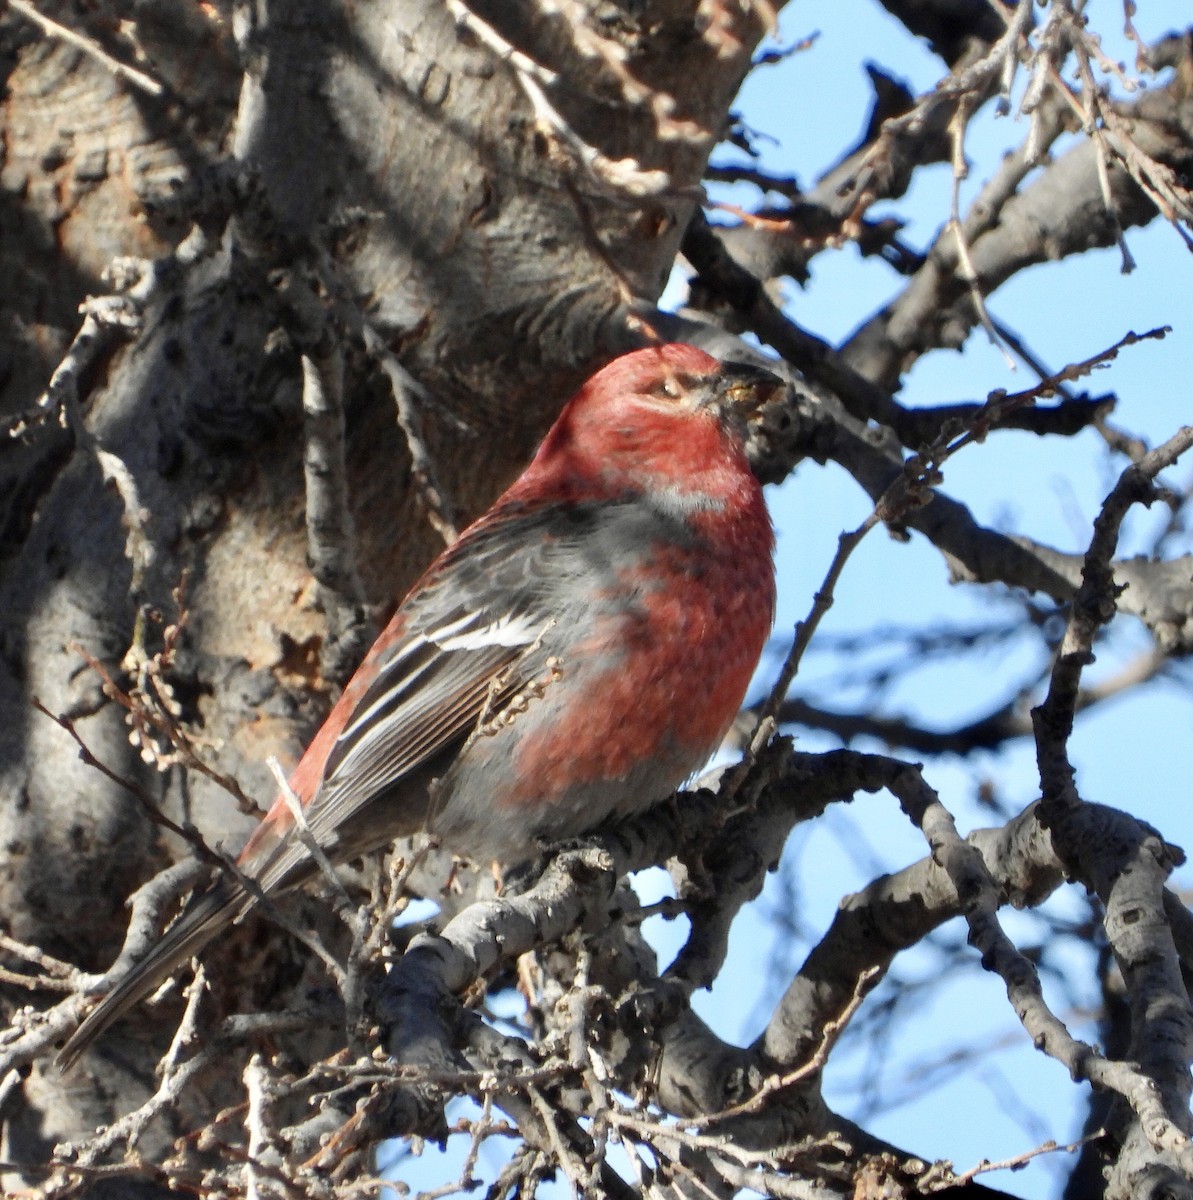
(671, 413)
(683, 379)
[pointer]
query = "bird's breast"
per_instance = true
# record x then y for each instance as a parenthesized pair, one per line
(633, 700)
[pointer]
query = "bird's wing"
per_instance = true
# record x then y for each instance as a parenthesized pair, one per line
(475, 632)
(434, 690)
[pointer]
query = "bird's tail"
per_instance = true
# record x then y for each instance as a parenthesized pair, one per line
(200, 921)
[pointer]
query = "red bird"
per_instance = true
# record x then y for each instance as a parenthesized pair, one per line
(570, 660)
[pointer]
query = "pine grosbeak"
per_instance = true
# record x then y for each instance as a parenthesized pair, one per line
(570, 660)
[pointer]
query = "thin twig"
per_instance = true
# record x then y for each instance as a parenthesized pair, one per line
(829, 1036)
(966, 269)
(303, 831)
(1013, 1164)
(187, 832)
(622, 177)
(88, 46)
(403, 388)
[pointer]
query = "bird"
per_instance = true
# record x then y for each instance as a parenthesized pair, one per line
(570, 660)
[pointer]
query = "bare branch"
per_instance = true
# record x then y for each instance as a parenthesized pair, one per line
(330, 533)
(88, 46)
(438, 508)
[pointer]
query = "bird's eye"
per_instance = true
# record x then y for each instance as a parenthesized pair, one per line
(669, 387)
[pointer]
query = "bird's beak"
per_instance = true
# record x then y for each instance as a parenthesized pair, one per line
(744, 390)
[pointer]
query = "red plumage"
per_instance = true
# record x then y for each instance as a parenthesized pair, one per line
(571, 659)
